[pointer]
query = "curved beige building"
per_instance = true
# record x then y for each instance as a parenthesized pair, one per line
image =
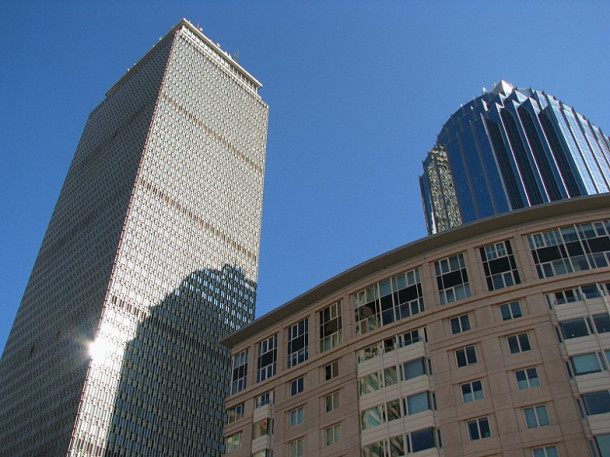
(489, 339)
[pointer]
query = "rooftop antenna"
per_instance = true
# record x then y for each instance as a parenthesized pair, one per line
(236, 57)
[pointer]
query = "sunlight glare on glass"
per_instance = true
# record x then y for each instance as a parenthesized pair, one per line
(100, 349)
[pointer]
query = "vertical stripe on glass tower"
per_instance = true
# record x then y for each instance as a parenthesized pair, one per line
(513, 148)
(150, 257)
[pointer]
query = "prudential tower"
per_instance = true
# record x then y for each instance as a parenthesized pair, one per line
(150, 257)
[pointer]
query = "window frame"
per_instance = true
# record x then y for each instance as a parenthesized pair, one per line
(482, 425)
(518, 343)
(460, 324)
(297, 386)
(466, 356)
(539, 415)
(473, 392)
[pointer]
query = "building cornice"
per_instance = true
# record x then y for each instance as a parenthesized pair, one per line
(215, 47)
(417, 248)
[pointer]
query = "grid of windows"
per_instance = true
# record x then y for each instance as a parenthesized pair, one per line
(267, 358)
(387, 301)
(572, 248)
(298, 343)
(240, 372)
(331, 327)
(452, 278)
(499, 265)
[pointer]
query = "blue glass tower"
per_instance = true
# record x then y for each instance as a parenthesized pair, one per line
(512, 148)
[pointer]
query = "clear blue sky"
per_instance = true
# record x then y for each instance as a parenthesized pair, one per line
(357, 92)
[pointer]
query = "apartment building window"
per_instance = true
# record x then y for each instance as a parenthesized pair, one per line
(297, 447)
(330, 327)
(298, 343)
(466, 356)
(601, 323)
(421, 440)
(413, 369)
(536, 416)
(297, 386)
(392, 343)
(375, 381)
(416, 403)
(233, 442)
(518, 343)
(546, 451)
(572, 248)
(266, 398)
(589, 291)
(333, 434)
(240, 372)
(583, 326)
(460, 324)
(603, 444)
(472, 391)
(510, 311)
(499, 265)
(262, 427)
(586, 363)
(416, 441)
(478, 429)
(527, 378)
(297, 416)
(384, 302)
(263, 453)
(332, 401)
(235, 413)
(267, 358)
(372, 417)
(331, 370)
(393, 409)
(452, 279)
(597, 402)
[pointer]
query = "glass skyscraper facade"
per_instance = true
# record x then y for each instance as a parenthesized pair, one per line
(513, 148)
(150, 257)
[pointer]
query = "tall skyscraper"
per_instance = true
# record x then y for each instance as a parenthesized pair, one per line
(150, 257)
(513, 148)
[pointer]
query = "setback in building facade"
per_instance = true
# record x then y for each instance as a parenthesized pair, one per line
(507, 149)
(490, 339)
(150, 257)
